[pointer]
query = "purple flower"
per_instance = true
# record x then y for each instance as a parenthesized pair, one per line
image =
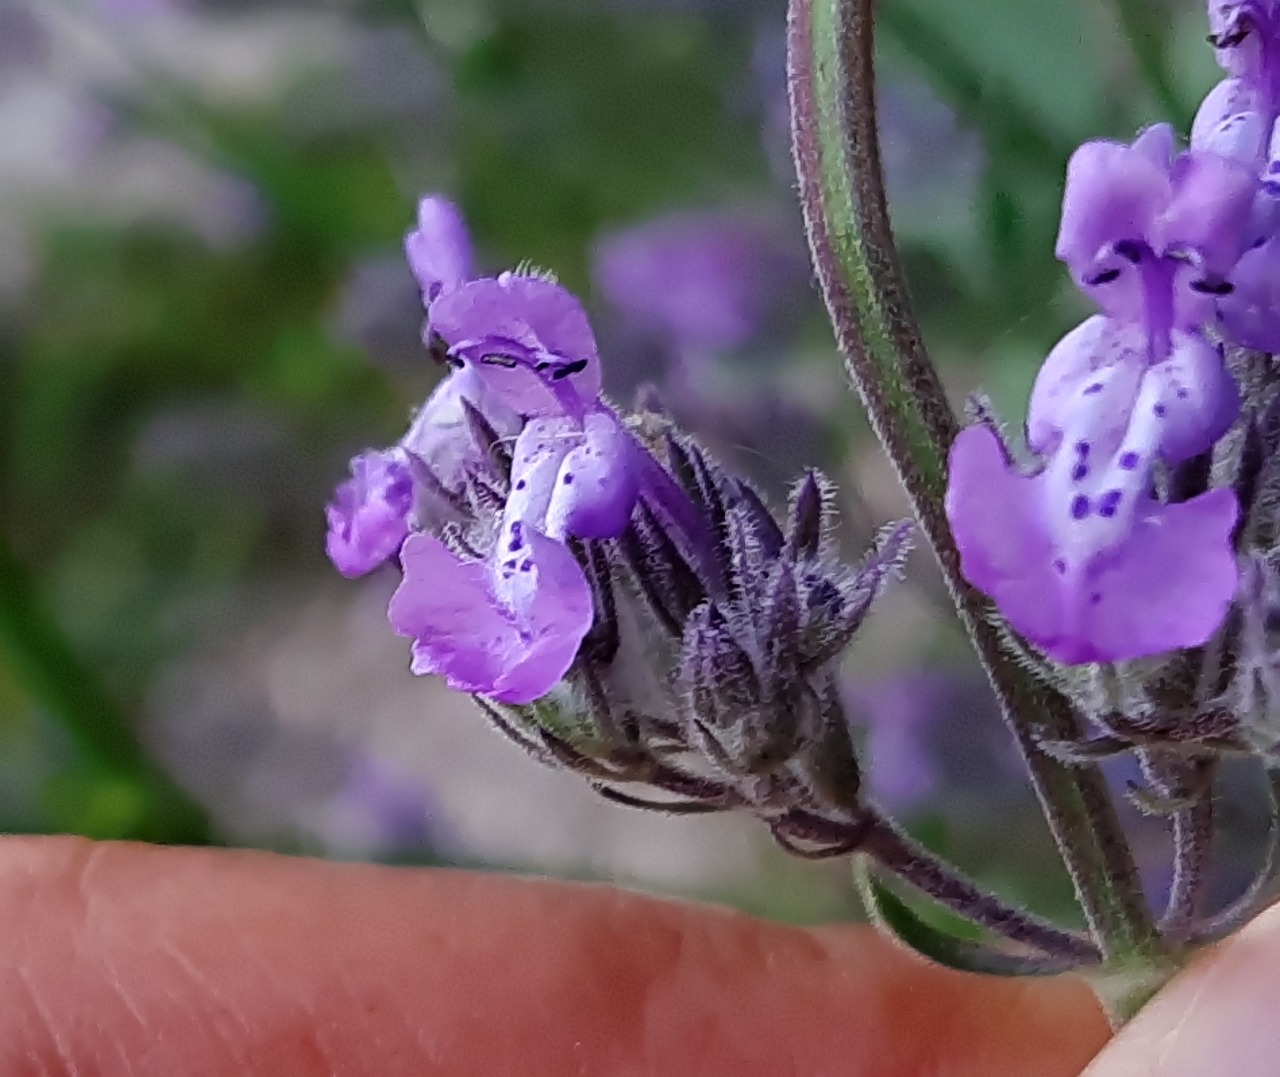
(1164, 581)
(529, 336)
(1240, 119)
(1081, 557)
(702, 281)
(509, 625)
(1150, 235)
(1246, 34)
(508, 622)
(373, 511)
(369, 514)
(439, 249)
(510, 637)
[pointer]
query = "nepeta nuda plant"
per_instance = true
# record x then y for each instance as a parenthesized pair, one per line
(620, 604)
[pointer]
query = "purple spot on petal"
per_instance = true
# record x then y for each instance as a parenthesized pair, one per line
(568, 478)
(1079, 507)
(521, 484)
(1159, 411)
(1095, 387)
(1082, 449)
(1110, 503)
(1129, 461)
(1095, 599)
(1183, 394)
(1060, 566)
(1079, 473)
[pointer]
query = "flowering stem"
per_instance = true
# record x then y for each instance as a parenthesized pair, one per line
(898, 853)
(60, 683)
(836, 148)
(1192, 828)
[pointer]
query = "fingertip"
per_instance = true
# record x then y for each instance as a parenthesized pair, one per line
(1217, 1016)
(131, 959)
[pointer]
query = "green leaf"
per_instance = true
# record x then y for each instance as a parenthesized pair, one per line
(893, 915)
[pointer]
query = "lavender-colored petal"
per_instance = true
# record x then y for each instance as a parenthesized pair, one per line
(439, 434)
(1170, 585)
(1231, 121)
(510, 635)
(1088, 380)
(1158, 144)
(575, 479)
(597, 483)
(369, 515)
(1253, 43)
(1166, 583)
(439, 249)
(1209, 210)
(528, 338)
(1195, 398)
(1098, 385)
(1113, 192)
(1250, 315)
(1004, 549)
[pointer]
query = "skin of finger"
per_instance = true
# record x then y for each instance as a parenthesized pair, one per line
(126, 959)
(1219, 1016)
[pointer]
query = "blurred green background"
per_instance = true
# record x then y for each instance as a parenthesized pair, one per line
(204, 312)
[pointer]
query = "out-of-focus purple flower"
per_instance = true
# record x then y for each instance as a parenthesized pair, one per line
(1081, 557)
(898, 714)
(379, 810)
(439, 249)
(932, 734)
(705, 282)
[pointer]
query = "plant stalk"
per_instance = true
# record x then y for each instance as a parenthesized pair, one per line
(898, 853)
(836, 149)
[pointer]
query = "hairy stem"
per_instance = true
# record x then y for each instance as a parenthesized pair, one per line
(1191, 828)
(898, 853)
(836, 148)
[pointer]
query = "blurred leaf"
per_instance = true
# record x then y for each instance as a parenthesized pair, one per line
(571, 120)
(1148, 27)
(975, 58)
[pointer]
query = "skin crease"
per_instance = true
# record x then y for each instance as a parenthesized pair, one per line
(121, 959)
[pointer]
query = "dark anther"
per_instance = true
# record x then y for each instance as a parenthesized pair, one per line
(504, 361)
(1213, 287)
(1105, 277)
(562, 372)
(1232, 38)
